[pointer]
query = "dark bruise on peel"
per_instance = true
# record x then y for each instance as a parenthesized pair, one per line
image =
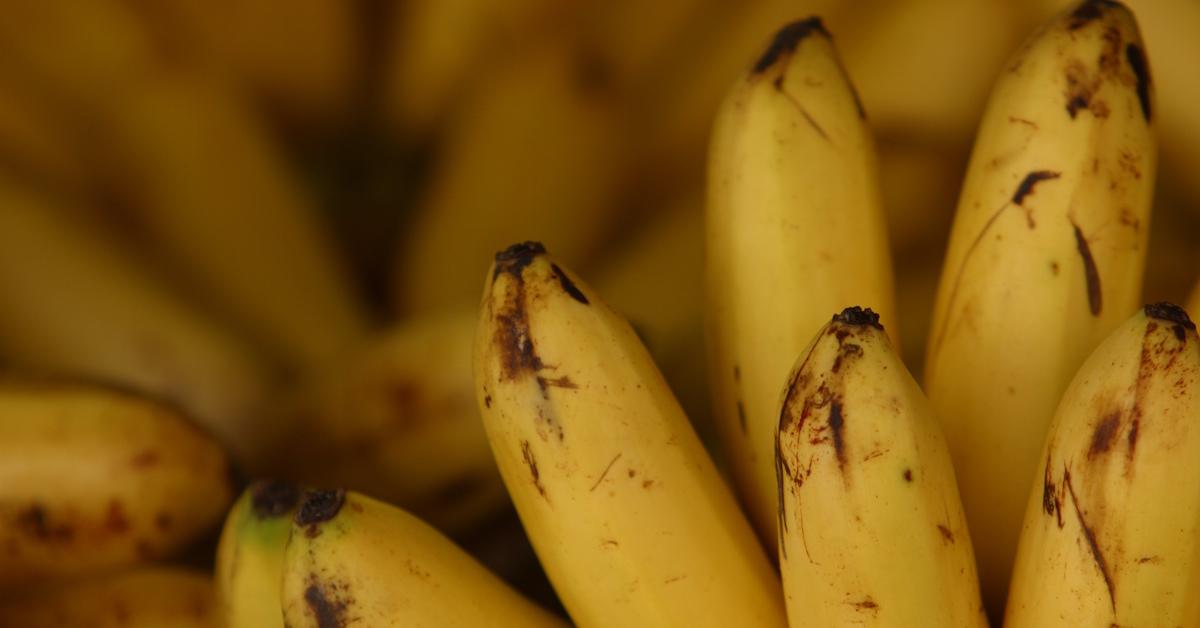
(786, 40)
(329, 613)
(568, 286)
(836, 424)
(319, 507)
(1104, 434)
(1025, 188)
(1088, 12)
(1141, 71)
(1093, 544)
(517, 354)
(270, 499)
(1091, 274)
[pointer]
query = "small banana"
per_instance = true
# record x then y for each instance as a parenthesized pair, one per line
(398, 421)
(151, 597)
(795, 231)
(92, 479)
(871, 530)
(573, 148)
(624, 508)
(1112, 525)
(249, 570)
(352, 559)
(1045, 257)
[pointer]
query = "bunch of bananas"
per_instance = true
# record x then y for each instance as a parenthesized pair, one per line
(192, 284)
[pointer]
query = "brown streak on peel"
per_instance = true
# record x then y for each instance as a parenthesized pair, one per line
(867, 604)
(1091, 274)
(778, 83)
(908, 476)
(781, 510)
(1137, 62)
(1025, 188)
(1090, 536)
(517, 353)
(605, 472)
(947, 535)
(568, 286)
(836, 424)
(741, 414)
(531, 462)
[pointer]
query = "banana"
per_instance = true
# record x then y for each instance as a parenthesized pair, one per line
(624, 508)
(71, 302)
(1045, 257)
(303, 60)
(249, 569)
(398, 421)
(151, 597)
(208, 191)
(865, 482)
(352, 559)
(1112, 526)
(92, 479)
(504, 174)
(795, 230)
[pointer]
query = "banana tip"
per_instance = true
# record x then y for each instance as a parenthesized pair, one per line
(786, 40)
(319, 507)
(1169, 312)
(271, 498)
(516, 257)
(856, 315)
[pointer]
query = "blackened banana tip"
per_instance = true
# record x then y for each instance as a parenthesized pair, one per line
(270, 498)
(320, 506)
(1169, 312)
(786, 39)
(856, 315)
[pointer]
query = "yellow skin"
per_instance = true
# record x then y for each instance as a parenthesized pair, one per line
(249, 569)
(1045, 258)
(352, 560)
(92, 479)
(1112, 524)
(626, 511)
(151, 597)
(872, 532)
(795, 231)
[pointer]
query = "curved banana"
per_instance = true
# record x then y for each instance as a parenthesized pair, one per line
(71, 302)
(398, 421)
(866, 486)
(92, 479)
(795, 231)
(1112, 525)
(1045, 257)
(624, 508)
(350, 556)
(249, 570)
(503, 174)
(151, 597)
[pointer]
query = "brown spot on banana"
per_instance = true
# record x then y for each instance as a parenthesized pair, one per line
(1104, 434)
(317, 508)
(531, 462)
(1091, 274)
(328, 603)
(568, 286)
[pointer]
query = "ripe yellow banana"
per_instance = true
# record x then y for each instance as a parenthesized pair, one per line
(210, 192)
(249, 570)
(92, 479)
(71, 302)
(871, 530)
(152, 597)
(626, 511)
(1112, 525)
(795, 231)
(1045, 257)
(398, 421)
(352, 559)
(510, 175)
